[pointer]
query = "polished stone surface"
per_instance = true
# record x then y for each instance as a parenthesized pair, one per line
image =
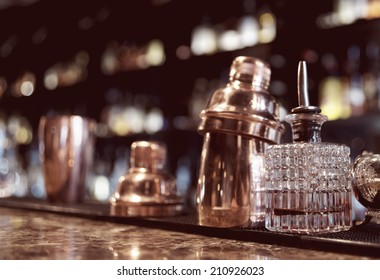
(38, 235)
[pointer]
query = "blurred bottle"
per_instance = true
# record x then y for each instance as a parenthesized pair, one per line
(345, 11)
(355, 88)
(7, 162)
(248, 25)
(333, 99)
(373, 9)
(36, 184)
(204, 39)
(13, 179)
(267, 26)
(371, 77)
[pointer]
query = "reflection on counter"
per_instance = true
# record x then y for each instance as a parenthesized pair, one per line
(42, 236)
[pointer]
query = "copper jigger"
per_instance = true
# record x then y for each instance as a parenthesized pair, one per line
(66, 150)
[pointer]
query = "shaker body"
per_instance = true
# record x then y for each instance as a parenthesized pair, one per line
(231, 184)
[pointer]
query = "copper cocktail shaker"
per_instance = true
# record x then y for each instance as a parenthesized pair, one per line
(239, 122)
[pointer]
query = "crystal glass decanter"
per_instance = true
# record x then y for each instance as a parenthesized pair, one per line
(308, 182)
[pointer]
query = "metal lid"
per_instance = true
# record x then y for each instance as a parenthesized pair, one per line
(146, 189)
(250, 70)
(244, 106)
(148, 154)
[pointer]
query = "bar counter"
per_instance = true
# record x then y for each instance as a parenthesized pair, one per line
(27, 234)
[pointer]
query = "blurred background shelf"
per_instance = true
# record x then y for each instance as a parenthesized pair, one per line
(144, 70)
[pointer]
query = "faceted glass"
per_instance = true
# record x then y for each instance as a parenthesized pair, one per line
(308, 187)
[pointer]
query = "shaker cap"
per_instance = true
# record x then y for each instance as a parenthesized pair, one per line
(244, 106)
(251, 70)
(148, 154)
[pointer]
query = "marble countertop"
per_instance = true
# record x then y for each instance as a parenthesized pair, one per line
(39, 235)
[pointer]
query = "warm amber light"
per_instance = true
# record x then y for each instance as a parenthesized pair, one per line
(24, 85)
(268, 28)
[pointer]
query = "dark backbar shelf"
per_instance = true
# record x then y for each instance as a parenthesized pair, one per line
(363, 240)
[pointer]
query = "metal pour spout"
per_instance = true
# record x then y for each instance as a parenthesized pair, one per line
(303, 92)
(305, 120)
(302, 85)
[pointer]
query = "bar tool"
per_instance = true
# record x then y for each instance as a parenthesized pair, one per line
(146, 189)
(66, 145)
(238, 123)
(367, 184)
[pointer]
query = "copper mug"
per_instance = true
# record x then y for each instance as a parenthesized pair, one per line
(66, 145)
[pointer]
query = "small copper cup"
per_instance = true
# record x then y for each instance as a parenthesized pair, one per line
(66, 145)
